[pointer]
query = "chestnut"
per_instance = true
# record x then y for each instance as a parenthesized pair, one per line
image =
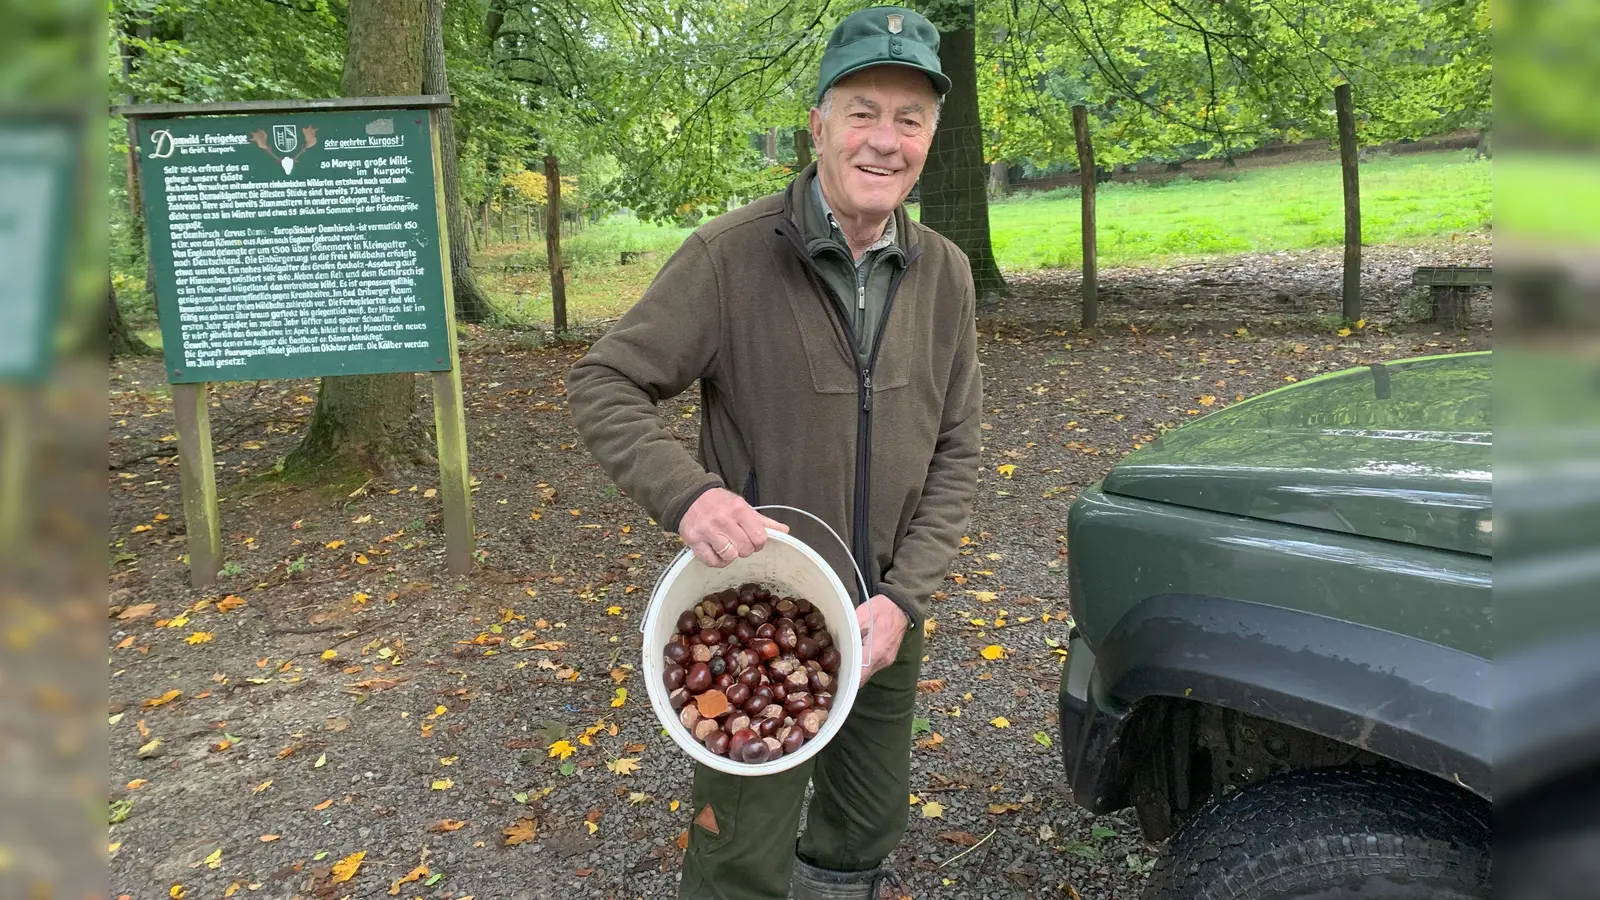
(689, 717)
(698, 678)
(718, 665)
(782, 666)
(678, 699)
(677, 654)
(705, 728)
(793, 739)
(805, 648)
(798, 680)
(787, 638)
(823, 638)
(765, 693)
(811, 721)
(723, 682)
(706, 622)
(688, 622)
(738, 692)
(750, 678)
(742, 610)
(766, 649)
(830, 660)
(768, 631)
(768, 727)
(755, 705)
(700, 653)
(803, 605)
(726, 623)
(822, 701)
(821, 681)
(718, 743)
(760, 614)
(797, 703)
(744, 632)
(728, 600)
(753, 752)
(785, 608)
(672, 677)
(710, 636)
(774, 749)
(738, 741)
(773, 712)
(780, 692)
(736, 723)
(816, 621)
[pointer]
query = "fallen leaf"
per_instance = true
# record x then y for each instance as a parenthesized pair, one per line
(1207, 400)
(443, 784)
(964, 838)
(627, 765)
(1000, 722)
(125, 643)
(672, 806)
(416, 874)
(268, 838)
(214, 861)
(593, 827)
(711, 704)
(520, 832)
(199, 637)
(638, 797)
(321, 761)
(176, 892)
(230, 603)
(613, 610)
(932, 810)
(620, 698)
(136, 612)
(1006, 469)
(323, 805)
(993, 651)
(998, 809)
(446, 825)
(361, 559)
(430, 493)
(164, 699)
(345, 869)
(448, 760)
(931, 685)
(1042, 738)
(334, 545)
(562, 749)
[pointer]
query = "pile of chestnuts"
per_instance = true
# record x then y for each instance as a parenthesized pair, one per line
(750, 674)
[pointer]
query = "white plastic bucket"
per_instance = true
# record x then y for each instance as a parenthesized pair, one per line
(786, 566)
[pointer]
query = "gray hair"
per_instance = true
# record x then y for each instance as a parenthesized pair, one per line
(827, 106)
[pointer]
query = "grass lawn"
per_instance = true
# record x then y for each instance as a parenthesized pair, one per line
(1289, 207)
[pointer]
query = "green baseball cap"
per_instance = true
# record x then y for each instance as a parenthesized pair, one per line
(882, 36)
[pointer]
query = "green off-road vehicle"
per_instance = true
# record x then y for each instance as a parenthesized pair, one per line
(1281, 656)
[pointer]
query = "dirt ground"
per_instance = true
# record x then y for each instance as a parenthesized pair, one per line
(339, 718)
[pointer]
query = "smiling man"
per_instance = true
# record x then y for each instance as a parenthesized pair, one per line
(834, 343)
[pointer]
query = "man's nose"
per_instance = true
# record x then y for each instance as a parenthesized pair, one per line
(883, 137)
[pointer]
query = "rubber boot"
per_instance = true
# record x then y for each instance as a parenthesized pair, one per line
(814, 883)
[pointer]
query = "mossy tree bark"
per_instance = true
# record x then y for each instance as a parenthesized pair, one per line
(370, 420)
(120, 339)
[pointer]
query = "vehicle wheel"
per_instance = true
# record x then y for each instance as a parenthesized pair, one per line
(1322, 834)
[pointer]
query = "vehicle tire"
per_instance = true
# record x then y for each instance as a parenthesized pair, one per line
(1328, 834)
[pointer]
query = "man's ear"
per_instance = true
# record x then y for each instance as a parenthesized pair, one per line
(815, 124)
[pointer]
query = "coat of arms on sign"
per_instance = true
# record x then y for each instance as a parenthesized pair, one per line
(284, 138)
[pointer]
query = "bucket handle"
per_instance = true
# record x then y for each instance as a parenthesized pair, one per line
(860, 579)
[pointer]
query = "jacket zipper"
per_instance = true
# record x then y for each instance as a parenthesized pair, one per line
(859, 537)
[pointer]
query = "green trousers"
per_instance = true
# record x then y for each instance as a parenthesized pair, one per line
(861, 781)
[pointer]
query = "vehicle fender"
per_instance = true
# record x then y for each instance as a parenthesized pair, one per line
(1418, 703)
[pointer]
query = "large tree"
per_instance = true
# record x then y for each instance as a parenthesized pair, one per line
(370, 421)
(955, 201)
(472, 304)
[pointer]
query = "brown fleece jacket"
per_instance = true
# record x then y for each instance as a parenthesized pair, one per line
(789, 415)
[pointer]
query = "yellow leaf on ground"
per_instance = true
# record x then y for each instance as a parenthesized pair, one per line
(176, 892)
(932, 810)
(443, 784)
(261, 787)
(199, 637)
(673, 806)
(137, 783)
(334, 545)
(620, 698)
(993, 651)
(448, 760)
(164, 699)
(361, 559)
(562, 749)
(444, 825)
(521, 832)
(1000, 722)
(415, 874)
(1006, 469)
(140, 528)
(269, 838)
(214, 861)
(984, 596)
(593, 827)
(613, 610)
(1207, 400)
(431, 492)
(345, 869)
(359, 597)
(627, 765)
(230, 603)
(323, 805)
(915, 799)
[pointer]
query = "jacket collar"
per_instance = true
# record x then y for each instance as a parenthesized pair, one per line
(794, 205)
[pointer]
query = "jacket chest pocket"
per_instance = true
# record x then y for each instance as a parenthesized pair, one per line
(830, 357)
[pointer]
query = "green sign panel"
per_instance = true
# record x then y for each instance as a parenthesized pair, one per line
(295, 244)
(39, 155)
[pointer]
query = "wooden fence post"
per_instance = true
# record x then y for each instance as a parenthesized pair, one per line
(1352, 202)
(558, 286)
(197, 480)
(1091, 287)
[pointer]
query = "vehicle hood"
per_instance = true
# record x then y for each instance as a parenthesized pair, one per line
(1398, 451)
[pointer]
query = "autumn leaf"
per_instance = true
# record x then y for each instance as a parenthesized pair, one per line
(361, 559)
(1000, 722)
(1343, 332)
(416, 874)
(230, 603)
(446, 825)
(711, 704)
(199, 637)
(1006, 469)
(932, 810)
(136, 612)
(964, 838)
(620, 698)
(323, 805)
(1042, 738)
(931, 685)
(214, 861)
(1000, 809)
(521, 832)
(627, 765)
(562, 749)
(613, 610)
(345, 869)
(334, 545)
(164, 699)
(443, 784)
(261, 787)
(1207, 400)
(993, 651)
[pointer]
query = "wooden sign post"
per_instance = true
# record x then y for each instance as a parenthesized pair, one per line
(299, 239)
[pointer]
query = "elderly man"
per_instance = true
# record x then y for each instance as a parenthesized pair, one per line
(834, 343)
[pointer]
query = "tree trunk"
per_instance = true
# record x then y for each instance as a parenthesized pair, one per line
(772, 145)
(125, 49)
(954, 198)
(472, 305)
(120, 340)
(1091, 260)
(802, 147)
(1345, 109)
(999, 179)
(558, 275)
(370, 421)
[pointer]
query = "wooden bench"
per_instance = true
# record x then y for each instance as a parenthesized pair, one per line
(1450, 287)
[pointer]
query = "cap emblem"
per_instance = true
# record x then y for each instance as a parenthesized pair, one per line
(894, 23)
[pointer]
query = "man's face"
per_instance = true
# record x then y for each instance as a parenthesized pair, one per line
(874, 140)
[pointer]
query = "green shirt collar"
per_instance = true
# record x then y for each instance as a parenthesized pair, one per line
(822, 229)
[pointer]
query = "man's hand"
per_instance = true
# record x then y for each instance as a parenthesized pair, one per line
(721, 527)
(883, 624)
